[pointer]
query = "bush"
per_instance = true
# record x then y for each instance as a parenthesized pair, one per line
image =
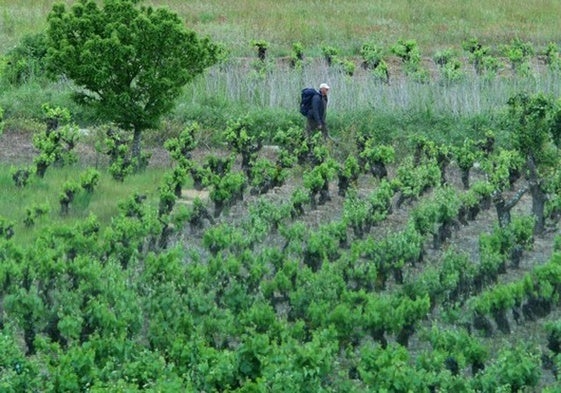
(26, 61)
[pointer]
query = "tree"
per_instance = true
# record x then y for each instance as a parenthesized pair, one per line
(128, 62)
(533, 127)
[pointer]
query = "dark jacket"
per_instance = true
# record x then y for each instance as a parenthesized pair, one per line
(318, 111)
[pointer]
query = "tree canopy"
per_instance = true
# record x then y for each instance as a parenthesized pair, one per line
(128, 61)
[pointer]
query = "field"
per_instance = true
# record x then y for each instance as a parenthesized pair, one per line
(344, 24)
(405, 253)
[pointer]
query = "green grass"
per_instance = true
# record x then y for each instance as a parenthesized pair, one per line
(103, 203)
(345, 24)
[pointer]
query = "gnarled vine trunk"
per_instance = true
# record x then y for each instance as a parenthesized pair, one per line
(504, 207)
(539, 197)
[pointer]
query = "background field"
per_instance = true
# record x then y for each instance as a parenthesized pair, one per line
(345, 24)
(269, 93)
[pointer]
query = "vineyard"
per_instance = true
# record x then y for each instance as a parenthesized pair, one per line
(415, 249)
(297, 267)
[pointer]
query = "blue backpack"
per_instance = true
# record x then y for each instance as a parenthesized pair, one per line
(306, 101)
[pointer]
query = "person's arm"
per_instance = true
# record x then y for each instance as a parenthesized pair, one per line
(316, 102)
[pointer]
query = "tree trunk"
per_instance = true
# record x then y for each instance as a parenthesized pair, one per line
(502, 321)
(136, 148)
(538, 207)
(465, 178)
(473, 212)
(504, 207)
(503, 213)
(539, 197)
(324, 196)
(378, 335)
(343, 185)
(480, 322)
(379, 170)
(29, 333)
(404, 334)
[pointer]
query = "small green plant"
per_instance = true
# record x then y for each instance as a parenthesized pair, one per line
(519, 54)
(116, 145)
(553, 56)
(261, 67)
(261, 46)
(180, 148)
(348, 174)
(330, 54)
(200, 175)
(469, 207)
(465, 156)
(381, 201)
(56, 143)
(198, 215)
(372, 59)
(356, 214)
(34, 212)
(89, 179)
(55, 116)
(371, 54)
(266, 175)
(381, 72)
(298, 199)
(515, 369)
(442, 57)
(20, 176)
(449, 65)
(69, 190)
(297, 55)
(410, 55)
(6, 228)
(347, 66)
(167, 199)
(133, 206)
(407, 51)
(293, 146)
(317, 180)
(412, 180)
(375, 158)
(480, 56)
(226, 190)
(243, 139)
(553, 330)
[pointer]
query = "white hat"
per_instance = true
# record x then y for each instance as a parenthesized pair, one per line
(324, 86)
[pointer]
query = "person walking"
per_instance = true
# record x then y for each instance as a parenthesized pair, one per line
(317, 115)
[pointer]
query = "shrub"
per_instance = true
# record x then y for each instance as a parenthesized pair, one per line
(26, 61)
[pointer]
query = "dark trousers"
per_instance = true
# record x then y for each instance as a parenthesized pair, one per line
(313, 126)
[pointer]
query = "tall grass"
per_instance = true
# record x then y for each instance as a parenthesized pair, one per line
(21, 17)
(279, 87)
(25, 101)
